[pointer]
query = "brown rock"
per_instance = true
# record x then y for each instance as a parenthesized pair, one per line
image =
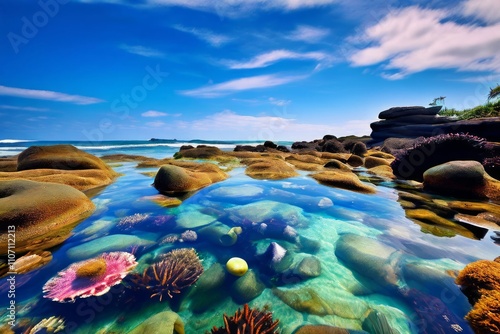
(372, 161)
(270, 169)
(345, 180)
(43, 213)
(174, 179)
(61, 164)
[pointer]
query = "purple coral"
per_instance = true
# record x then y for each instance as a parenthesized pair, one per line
(412, 163)
(88, 278)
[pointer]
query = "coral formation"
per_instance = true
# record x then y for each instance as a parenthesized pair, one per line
(248, 321)
(412, 163)
(179, 269)
(87, 278)
(480, 282)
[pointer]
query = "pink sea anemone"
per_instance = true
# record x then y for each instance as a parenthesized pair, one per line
(88, 278)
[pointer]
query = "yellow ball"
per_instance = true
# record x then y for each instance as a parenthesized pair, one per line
(237, 266)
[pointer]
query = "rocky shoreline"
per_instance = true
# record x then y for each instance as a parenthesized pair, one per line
(53, 178)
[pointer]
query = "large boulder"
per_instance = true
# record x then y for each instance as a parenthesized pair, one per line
(43, 213)
(466, 179)
(176, 179)
(61, 164)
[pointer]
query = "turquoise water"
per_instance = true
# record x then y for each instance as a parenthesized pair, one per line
(371, 256)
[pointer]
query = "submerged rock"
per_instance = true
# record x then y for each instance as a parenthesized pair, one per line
(110, 243)
(369, 258)
(324, 329)
(376, 323)
(262, 211)
(247, 287)
(245, 191)
(166, 322)
(304, 300)
(210, 289)
(43, 213)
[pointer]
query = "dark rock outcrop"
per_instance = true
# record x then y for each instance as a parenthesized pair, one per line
(413, 122)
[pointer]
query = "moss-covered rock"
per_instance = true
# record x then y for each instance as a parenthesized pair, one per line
(166, 322)
(345, 180)
(372, 161)
(43, 213)
(269, 169)
(247, 287)
(174, 179)
(61, 164)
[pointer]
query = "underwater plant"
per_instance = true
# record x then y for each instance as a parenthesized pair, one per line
(179, 269)
(248, 321)
(411, 163)
(88, 278)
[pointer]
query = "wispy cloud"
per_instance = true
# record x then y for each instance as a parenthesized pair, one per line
(242, 7)
(242, 84)
(156, 124)
(269, 58)
(48, 95)
(308, 34)
(485, 10)
(279, 102)
(206, 35)
(23, 108)
(414, 39)
(234, 125)
(142, 51)
(153, 113)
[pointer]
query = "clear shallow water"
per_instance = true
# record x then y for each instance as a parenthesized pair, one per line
(371, 256)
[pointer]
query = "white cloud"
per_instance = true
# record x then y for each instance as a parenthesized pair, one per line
(269, 58)
(156, 124)
(206, 35)
(142, 51)
(413, 39)
(308, 34)
(232, 125)
(228, 87)
(278, 102)
(153, 113)
(242, 7)
(486, 10)
(47, 95)
(22, 108)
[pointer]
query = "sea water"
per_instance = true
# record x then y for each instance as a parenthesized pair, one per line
(347, 289)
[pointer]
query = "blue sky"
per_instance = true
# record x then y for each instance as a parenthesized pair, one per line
(236, 69)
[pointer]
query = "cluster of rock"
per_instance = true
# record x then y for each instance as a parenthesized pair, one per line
(417, 121)
(41, 195)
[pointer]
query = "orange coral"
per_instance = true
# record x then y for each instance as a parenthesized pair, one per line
(485, 317)
(478, 276)
(248, 321)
